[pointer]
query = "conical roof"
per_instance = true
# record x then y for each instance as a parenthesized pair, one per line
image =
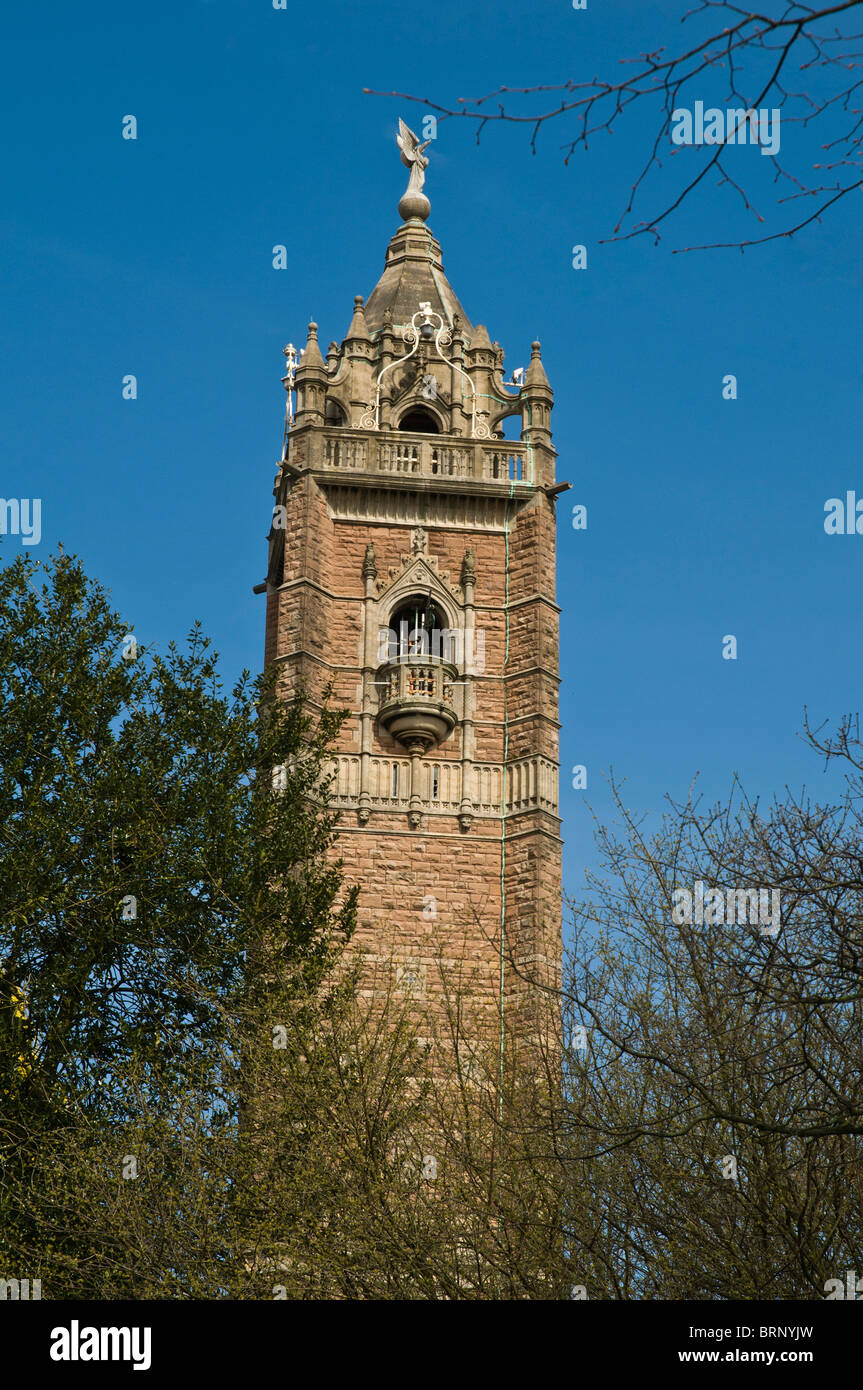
(359, 328)
(311, 354)
(413, 274)
(536, 371)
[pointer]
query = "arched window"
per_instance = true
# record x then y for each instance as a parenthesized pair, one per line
(333, 413)
(418, 625)
(419, 421)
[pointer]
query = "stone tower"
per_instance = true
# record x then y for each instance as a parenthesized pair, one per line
(412, 565)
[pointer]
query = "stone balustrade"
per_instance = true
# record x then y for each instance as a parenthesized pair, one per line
(391, 453)
(531, 784)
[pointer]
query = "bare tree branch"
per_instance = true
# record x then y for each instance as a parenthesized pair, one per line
(759, 56)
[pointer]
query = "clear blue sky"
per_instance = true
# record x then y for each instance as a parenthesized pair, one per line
(154, 257)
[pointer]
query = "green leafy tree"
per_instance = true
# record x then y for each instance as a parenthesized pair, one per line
(162, 847)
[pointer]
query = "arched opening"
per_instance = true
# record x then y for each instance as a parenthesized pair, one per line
(509, 427)
(418, 625)
(419, 421)
(333, 413)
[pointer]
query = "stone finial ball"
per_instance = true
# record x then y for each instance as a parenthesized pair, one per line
(414, 205)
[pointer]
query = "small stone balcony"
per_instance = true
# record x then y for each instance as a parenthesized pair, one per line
(416, 704)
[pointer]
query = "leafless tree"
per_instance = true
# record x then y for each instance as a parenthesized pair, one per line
(799, 60)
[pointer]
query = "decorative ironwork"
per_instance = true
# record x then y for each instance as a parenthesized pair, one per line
(291, 363)
(417, 331)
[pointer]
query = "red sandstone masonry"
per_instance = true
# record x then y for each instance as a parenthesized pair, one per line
(314, 631)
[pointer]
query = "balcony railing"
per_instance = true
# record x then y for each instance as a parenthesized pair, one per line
(416, 704)
(389, 452)
(424, 679)
(530, 783)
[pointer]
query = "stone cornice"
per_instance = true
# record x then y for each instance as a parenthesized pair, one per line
(360, 598)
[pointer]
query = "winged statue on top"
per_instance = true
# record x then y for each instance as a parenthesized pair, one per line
(412, 156)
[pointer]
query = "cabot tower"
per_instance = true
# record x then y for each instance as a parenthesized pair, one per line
(412, 565)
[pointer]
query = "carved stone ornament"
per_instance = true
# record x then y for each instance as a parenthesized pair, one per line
(370, 567)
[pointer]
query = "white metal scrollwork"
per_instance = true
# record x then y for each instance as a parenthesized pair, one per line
(370, 419)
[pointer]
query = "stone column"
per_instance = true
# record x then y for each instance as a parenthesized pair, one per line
(369, 638)
(416, 748)
(388, 354)
(468, 579)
